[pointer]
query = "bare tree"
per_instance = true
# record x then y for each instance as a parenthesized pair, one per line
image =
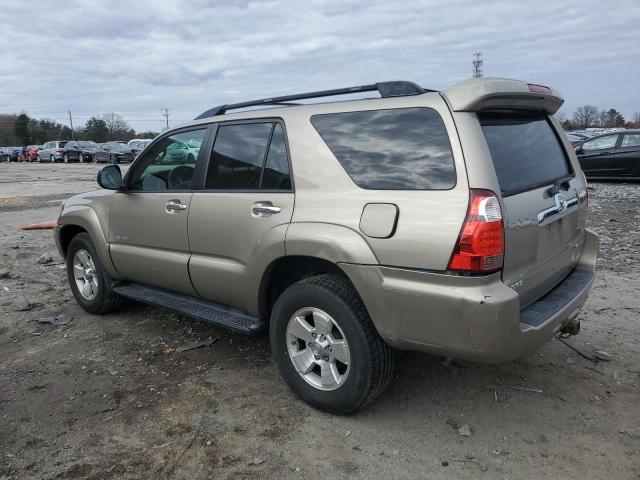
(116, 125)
(585, 116)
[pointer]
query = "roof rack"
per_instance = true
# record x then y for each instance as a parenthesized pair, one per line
(386, 89)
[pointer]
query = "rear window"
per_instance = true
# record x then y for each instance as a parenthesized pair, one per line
(395, 149)
(62, 144)
(525, 150)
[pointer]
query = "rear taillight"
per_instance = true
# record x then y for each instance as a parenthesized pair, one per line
(480, 247)
(59, 150)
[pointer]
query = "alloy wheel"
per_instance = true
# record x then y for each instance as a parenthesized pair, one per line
(318, 348)
(85, 274)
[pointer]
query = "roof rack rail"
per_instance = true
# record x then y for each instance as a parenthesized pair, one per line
(386, 89)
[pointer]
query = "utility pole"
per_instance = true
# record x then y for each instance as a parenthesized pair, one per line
(477, 64)
(73, 133)
(166, 116)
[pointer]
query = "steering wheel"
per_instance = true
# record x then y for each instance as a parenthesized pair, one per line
(180, 177)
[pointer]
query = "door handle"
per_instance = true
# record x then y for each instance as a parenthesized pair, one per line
(264, 209)
(174, 206)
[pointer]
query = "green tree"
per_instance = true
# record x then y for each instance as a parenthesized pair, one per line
(614, 118)
(22, 129)
(96, 129)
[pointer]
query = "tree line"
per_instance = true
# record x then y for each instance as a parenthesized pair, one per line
(21, 129)
(588, 116)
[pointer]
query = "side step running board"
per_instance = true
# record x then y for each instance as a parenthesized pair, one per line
(220, 315)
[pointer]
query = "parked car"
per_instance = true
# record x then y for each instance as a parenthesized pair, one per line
(4, 154)
(138, 145)
(79, 151)
(13, 154)
(611, 156)
(576, 138)
(32, 152)
(51, 151)
(113, 152)
(348, 229)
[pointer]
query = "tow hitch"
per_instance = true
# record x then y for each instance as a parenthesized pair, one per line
(571, 328)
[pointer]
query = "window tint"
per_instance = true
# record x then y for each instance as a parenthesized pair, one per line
(238, 155)
(599, 143)
(525, 150)
(276, 170)
(396, 149)
(169, 164)
(61, 144)
(631, 140)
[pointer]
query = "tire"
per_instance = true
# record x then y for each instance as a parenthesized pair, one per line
(65, 158)
(38, 159)
(113, 160)
(80, 158)
(52, 158)
(101, 299)
(370, 360)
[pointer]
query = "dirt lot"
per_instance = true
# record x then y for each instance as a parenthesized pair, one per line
(122, 396)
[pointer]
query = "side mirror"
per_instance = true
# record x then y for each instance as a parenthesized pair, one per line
(110, 177)
(579, 149)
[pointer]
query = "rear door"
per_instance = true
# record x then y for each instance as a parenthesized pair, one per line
(543, 200)
(598, 156)
(628, 155)
(239, 218)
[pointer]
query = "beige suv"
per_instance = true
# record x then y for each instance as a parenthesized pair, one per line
(444, 222)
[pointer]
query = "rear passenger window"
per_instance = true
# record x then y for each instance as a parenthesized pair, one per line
(395, 149)
(249, 156)
(238, 155)
(631, 140)
(276, 170)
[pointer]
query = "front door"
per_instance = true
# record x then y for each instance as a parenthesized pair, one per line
(597, 156)
(239, 218)
(148, 223)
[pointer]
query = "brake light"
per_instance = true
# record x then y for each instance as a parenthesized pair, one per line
(59, 150)
(480, 247)
(533, 88)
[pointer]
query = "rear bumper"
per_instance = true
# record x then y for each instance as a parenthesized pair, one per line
(471, 318)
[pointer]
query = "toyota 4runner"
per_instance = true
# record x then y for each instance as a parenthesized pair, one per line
(445, 222)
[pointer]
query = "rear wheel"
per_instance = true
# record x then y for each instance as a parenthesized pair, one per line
(52, 159)
(326, 346)
(66, 158)
(89, 281)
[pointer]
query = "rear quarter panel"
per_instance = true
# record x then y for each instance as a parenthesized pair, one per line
(429, 221)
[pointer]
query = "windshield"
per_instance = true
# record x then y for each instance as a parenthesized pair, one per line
(87, 144)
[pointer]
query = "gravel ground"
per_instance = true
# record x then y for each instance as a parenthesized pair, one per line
(126, 396)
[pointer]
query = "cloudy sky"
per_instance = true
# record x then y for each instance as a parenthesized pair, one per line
(138, 57)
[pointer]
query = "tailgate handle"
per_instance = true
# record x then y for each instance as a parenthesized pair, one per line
(561, 205)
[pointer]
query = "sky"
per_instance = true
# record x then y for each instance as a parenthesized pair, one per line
(137, 58)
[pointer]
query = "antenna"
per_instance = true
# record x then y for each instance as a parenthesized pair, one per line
(166, 116)
(477, 64)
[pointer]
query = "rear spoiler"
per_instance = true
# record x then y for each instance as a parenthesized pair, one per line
(482, 93)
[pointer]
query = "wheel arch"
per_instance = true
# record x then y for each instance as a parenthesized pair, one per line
(284, 272)
(77, 219)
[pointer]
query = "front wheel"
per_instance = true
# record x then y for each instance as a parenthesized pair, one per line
(326, 347)
(89, 281)
(80, 158)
